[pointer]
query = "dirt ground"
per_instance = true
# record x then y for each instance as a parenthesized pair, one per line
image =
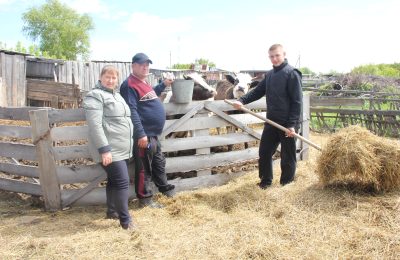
(301, 220)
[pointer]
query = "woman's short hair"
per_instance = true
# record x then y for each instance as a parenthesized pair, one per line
(109, 68)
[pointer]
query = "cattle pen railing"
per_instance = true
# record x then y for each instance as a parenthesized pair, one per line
(379, 115)
(43, 151)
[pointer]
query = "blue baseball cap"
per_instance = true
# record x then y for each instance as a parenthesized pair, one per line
(141, 58)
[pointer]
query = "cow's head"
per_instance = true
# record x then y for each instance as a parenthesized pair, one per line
(241, 83)
(201, 90)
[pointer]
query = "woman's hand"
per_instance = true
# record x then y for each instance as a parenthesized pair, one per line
(106, 158)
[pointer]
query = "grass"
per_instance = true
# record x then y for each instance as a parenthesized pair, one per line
(301, 220)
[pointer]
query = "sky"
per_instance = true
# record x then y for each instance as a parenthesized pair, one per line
(324, 36)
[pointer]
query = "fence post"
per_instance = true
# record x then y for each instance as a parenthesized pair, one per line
(202, 132)
(305, 125)
(46, 159)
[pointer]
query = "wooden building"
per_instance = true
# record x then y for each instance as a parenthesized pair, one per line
(12, 79)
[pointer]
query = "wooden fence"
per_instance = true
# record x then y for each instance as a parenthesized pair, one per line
(332, 113)
(44, 152)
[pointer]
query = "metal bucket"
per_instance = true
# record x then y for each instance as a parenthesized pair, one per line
(182, 90)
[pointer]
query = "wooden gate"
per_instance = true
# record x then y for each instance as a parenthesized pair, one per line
(48, 155)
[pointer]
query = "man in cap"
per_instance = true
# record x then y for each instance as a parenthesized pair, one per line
(148, 118)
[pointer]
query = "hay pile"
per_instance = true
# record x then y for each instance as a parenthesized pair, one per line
(235, 221)
(360, 160)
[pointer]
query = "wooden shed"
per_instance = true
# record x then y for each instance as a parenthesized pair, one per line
(12, 79)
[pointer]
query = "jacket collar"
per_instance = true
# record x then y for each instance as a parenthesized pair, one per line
(278, 68)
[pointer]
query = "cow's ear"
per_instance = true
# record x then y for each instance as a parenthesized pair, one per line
(230, 78)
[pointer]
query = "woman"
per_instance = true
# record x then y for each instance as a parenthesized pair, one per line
(110, 141)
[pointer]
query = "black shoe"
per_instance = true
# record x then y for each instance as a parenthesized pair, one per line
(112, 215)
(130, 226)
(149, 202)
(285, 183)
(169, 193)
(263, 185)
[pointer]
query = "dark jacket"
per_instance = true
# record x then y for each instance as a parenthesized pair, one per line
(282, 88)
(147, 111)
(109, 122)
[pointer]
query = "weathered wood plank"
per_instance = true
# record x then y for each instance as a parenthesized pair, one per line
(22, 82)
(98, 195)
(8, 79)
(198, 142)
(16, 131)
(335, 101)
(49, 97)
(51, 87)
(82, 192)
(3, 83)
(71, 152)
(78, 173)
(18, 151)
(66, 115)
(180, 109)
(67, 133)
(305, 127)
(47, 165)
(204, 161)
(20, 170)
(14, 81)
(180, 121)
(231, 120)
(20, 187)
(16, 113)
(214, 121)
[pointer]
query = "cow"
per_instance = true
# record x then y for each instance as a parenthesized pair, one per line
(201, 90)
(233, 87)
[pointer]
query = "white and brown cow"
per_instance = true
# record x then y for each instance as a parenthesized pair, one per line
(201, 90)
(233, 87)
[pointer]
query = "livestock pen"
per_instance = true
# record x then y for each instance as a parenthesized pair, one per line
(43, 151)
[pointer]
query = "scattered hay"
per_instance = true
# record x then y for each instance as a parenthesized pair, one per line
(357, 159)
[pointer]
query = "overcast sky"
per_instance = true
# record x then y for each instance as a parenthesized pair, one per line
(321, 35)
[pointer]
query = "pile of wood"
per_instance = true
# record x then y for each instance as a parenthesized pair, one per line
(53, 94)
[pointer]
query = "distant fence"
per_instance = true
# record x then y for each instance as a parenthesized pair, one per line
(44, 152)
(379, 115)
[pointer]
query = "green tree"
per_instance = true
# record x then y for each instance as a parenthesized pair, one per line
(60, 30)
(180, 66)
(20, 48)
(306, 70)
(202, 61)
(384, 70)
(3, 46)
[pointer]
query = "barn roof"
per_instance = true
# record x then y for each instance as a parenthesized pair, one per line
(14, 52)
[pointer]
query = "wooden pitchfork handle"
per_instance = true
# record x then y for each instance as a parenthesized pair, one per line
(284, 129)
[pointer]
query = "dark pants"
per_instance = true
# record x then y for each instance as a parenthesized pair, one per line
(150, 166)
(117, 190)
(270, 139)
